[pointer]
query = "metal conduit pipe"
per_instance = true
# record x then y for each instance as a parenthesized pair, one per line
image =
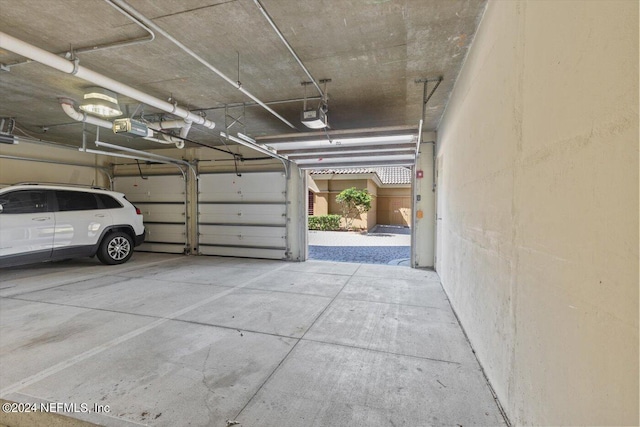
(159, 141)
(133, 12)
(286, 43)
(20, 47)
(253, 104)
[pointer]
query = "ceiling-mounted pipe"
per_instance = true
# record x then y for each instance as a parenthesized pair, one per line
(169, 124)
(184, 126)
(286, 43)
(71, 67)
(133, 12)
(185, 129)
(69, 108)
(96, 48)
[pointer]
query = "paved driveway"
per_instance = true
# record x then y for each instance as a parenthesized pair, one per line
(383, 245)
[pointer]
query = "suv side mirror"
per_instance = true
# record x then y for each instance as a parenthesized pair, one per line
(1, 208)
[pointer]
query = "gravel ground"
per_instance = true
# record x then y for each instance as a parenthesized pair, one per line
(383, 245)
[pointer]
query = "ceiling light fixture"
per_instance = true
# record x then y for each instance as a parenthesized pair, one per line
(101, 102)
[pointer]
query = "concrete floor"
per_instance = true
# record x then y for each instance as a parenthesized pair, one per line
(167, 340)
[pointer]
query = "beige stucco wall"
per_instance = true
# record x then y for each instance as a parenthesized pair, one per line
(538, 193)
(394, 206)
(14, 171)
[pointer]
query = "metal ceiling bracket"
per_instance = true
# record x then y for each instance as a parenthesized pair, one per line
(425, 100)
(425, 97)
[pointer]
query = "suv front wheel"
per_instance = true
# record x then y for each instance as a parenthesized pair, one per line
(116, 248)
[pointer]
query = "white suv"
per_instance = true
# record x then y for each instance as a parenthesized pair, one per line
(41, 222)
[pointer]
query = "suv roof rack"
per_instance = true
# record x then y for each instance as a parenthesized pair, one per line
(64, 184)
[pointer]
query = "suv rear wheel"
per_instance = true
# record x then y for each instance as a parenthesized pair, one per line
(115, 248)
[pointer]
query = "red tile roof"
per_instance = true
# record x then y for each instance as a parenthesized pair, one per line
(390, 175)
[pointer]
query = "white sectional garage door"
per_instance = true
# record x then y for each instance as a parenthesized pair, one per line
(162, 200)
(243, 215)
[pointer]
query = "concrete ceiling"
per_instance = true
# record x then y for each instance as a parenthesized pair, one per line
(372, 50)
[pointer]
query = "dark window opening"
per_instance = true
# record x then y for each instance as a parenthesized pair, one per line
(311, 200)
(108, 201)
(76, 201)
(20, 202)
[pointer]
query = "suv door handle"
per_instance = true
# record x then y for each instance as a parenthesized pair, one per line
(100, 215)
(41, 218)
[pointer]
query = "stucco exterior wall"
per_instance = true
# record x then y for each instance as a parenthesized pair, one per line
(537, 247)
(394, 206)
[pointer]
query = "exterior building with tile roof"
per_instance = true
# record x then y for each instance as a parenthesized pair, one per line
(390, 189)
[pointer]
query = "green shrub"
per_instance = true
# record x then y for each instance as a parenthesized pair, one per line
(353, 202)
(324, 222)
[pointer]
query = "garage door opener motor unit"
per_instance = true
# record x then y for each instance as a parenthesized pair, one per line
(130, 127)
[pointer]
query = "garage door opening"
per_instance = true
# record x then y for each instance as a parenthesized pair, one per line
(381, 235)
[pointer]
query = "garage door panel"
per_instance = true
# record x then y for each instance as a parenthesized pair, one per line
(243, 252)
(163, 188)
(243, 214)
(249, 187)
(173, 213)
(165, 233)
(161, 247)
(162, 200)
(274, 237)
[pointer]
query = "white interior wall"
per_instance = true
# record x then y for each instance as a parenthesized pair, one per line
(424, 228)
(538, 194)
